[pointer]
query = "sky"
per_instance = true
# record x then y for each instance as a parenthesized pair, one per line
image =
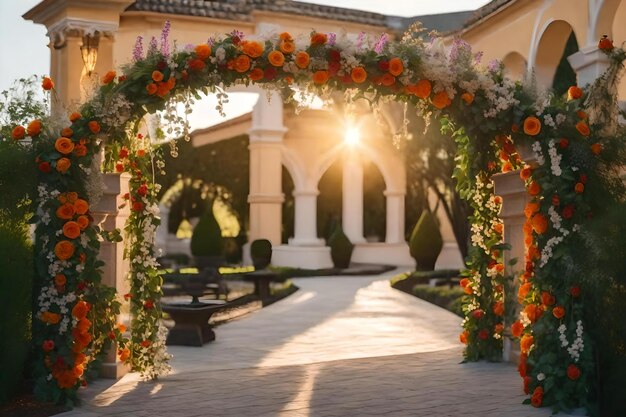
(24, 44)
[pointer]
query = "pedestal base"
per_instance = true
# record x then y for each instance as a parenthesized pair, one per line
(308, 257)
(383, 253)
(191, 323)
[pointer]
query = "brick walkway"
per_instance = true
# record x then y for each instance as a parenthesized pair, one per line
(341, 346)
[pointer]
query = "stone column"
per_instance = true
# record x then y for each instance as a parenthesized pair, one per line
(589, 64)
(160, 240)
(395, 216)
(511, 188)
(352, 216)
(266, 195)
(305, 233)
(108, 216)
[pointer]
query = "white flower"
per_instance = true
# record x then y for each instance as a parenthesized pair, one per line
(541, 376)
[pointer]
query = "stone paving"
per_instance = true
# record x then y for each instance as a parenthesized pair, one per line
(340, 346)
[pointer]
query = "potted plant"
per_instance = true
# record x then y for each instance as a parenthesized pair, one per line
(426, 242)
(340, 248)
(261, 253)
(207, 244)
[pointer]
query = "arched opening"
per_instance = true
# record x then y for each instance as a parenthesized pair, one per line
(289, 207)
(565, 76)
(374, 203)
(329, 200)
(515, 65)
(557, 39)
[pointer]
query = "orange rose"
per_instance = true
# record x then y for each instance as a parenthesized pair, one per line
(558, 312)
(65, 211)
(388, 80)
(302, 59)
(108, 77)
(523, 291)
(74, 116)
(47, 83)
(64, 145)
(468, 98)
(121, 327)
(320, 77)
(67, 132)
(285, 36)
(80, 310)
(547, 299)
(94, 126)
(78, 370)
(34, 128)
(579, 187)
(71, 196)
(256, 74)
(423, 89)
(203, 51)
(540, 223)
(532, 126)
(252, 48)
(498, 308)
(534, 188)
(464, 282)
(582, 115)
(526, 173)
(151, 88)
(63, 164)
(276, 58)
(60, 280)
(574, 93)
(124, 354)
(71, 230)
(530, 209)
(50, 318)
(526, 343)
(596, 149)
(242, 63)
(157, 76)
(81, 206)
(605, 43)
(83, 222)
(358, 75)
(463, 337)
(441, 100)
(573, 372)
(80, 150)
(517, 328)
(533, 312)
(396, 66)
(287, 46)
(81, 339)
(498, 228)
(319, 38)
(583, 128)
(64, 250)
(196, 64)
(18, 132)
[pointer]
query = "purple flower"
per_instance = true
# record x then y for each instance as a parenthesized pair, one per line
(211, 41)
(478, 57)
(459, 48)
(494, 65)
(189, 47)
(237, 34)
(360, 39)
(153, 47)
(138, 49)
(332, 38)
(380, 44)
(165, 43)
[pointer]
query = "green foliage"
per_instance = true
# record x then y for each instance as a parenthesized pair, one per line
(21, 104)
(207, 236)
(232, 250)
(16, 280)
(261, 253)
(340, 248)
(448, 298)
(565, 76)
(426, 242)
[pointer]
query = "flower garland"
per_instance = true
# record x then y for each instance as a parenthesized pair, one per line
(431, 78)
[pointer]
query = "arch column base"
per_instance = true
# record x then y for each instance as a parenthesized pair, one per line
(308, 257)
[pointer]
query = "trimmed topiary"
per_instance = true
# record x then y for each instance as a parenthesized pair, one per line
(340, 248)
(261, 253)
(232, 250)
(207, 244)
(426, 242)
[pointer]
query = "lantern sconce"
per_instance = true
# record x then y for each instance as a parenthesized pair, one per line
(89, 51)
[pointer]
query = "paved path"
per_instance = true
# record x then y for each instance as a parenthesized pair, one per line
(340, 346)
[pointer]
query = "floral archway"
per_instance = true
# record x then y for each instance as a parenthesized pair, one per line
(572, 142)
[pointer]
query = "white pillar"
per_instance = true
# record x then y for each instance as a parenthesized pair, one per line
(589, 64)
(352, 218)
(266, 195)
(395, 216)
(160, 239)
(450, 256)
(305, 233)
